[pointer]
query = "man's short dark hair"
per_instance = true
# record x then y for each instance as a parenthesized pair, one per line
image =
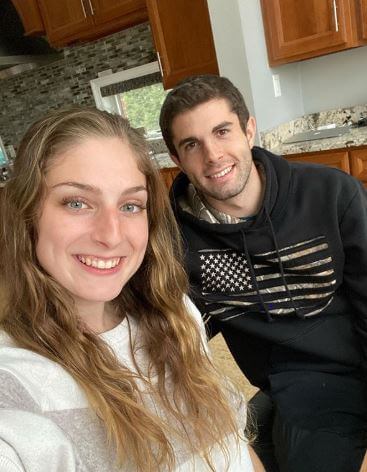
(195, 91)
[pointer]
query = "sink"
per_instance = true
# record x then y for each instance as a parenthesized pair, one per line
(314, 134)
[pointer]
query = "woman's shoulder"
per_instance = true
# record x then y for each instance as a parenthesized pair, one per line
(192, 309)
(28, 378)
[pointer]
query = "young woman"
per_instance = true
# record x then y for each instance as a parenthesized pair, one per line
(103, 362)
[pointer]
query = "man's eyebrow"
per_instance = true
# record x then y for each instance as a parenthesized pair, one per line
(93, 189)
(193, 139)
(222, 125)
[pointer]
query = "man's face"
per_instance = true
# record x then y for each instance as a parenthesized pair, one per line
(214, 151)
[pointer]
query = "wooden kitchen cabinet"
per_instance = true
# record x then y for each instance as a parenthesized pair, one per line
(169, 174)
(351, 160)
(358, 162)
(338, 159)
(183, 38)
(64, 20)
(301, 29)
(30, 15)
(70, 21)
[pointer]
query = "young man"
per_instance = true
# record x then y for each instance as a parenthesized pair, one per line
(277, 258)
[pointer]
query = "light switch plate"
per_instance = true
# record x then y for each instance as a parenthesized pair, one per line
(276, 85)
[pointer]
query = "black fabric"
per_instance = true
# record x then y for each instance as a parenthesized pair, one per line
(261, 410)
(330, 436)
(306, 312)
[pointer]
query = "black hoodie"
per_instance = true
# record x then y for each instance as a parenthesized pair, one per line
(288, 290)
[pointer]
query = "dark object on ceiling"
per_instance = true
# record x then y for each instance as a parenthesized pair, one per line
(19, 52)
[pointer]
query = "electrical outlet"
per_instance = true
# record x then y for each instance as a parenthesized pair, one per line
(276, 85)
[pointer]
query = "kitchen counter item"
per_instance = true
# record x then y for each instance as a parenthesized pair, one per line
(353, 137)
(312, 135)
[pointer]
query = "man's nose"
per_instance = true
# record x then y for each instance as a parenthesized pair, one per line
(107, 229)
(213, 151)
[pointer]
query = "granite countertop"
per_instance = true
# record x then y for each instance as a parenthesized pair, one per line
(355, 137)
(274, 139)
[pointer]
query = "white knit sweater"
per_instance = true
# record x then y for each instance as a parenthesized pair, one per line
(47, 426)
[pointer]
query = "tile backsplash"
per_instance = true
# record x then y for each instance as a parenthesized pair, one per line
(26, 97)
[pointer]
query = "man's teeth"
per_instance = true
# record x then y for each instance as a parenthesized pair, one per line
(99, 263)
(222, 173)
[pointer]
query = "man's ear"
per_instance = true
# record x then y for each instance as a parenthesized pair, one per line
(251, 131)
(176, 160)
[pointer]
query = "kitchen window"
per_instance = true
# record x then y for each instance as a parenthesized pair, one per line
(136, 94)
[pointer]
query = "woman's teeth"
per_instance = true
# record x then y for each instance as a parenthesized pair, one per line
(222, 173)
(99, 263)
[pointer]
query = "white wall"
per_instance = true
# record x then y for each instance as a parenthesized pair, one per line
(327, 82)
(230, 46)
(334, 81)
(241, 53)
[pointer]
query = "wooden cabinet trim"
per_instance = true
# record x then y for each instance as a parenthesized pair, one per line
(363, 18)
(358, 160)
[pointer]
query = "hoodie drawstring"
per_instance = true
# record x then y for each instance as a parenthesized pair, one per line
(281, 268)
(263, 304)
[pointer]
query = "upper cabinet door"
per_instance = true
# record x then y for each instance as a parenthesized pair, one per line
(65, 19)
(183, 38)
(123, 13)
(302, 29)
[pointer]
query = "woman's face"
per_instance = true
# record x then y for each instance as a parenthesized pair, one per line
(93, 226)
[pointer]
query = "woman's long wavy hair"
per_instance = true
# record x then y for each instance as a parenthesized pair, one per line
(41, 315)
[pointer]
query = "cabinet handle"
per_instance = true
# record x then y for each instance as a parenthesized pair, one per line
(159, 63)
(92, 9)
(83, 7)
(335, 16)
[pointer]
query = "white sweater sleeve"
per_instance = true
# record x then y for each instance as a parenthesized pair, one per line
(33, 443)
(9, 460)
(195, 313)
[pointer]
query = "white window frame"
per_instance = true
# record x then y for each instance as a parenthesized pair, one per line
(117, 77)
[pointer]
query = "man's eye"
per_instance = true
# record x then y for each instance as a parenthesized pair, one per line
(132, 208)
(223, 131)
(190, 146)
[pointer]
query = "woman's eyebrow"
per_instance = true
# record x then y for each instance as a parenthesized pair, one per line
(93, 189)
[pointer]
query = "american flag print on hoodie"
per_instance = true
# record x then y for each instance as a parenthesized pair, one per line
(230, 280)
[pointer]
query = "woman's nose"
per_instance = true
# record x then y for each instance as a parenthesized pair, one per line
(107, 227)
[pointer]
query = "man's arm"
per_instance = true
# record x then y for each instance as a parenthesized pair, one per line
(353, 228)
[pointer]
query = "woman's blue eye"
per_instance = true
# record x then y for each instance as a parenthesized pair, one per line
(75, 204)
(131, 208)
